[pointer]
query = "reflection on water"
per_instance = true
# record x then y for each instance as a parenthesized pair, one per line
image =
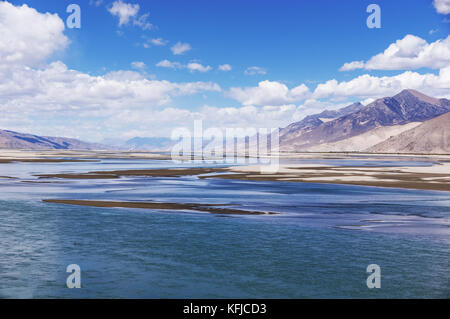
(319, 245)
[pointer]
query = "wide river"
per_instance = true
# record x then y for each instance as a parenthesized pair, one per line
(319, 246)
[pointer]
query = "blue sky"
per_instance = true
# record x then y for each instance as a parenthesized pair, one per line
(289, 44)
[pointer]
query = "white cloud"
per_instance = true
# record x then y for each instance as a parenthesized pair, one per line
(124, 75)
(142, 22)
(165, 120)
(268, 93)
(194, 66)
(56, 87)
(254, 70)
(366, 85)
(267, 116)
(180, 48)
(139, 65)
(159, 42)
(27, 36)
(408, 53)
(352, 66)
(169, 64)
(363, 87)
(125, 11)
(367, 101)
(225, 67)
(442, 6)
(119, 102)
(34, 94)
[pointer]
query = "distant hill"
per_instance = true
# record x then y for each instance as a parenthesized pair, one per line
(15, 140)
(406, 107)
(432, 136)
(149, 143)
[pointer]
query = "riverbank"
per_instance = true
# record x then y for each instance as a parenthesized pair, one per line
(433, 176)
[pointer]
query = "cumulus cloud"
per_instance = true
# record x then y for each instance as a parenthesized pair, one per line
(224, 67)
(254, 70)
(57, 87)
(409, 53)
(352, 66)
(192, 66)
(366, 85)
(180, 48)
(59, 101)
(127, 12)
(250, 116)
(139, 65)
(267, 116)
(124, 75)
(165, 120)
(124, 11)
(28, 37)
(154, 42)
(34, 93)
(442, 6)
(268, 93)
(158, 42)
(169, 64)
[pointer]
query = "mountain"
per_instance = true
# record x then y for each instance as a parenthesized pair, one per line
(406, 107)
(312, 121)
(15, 140)
(361, 142)
(432, 136)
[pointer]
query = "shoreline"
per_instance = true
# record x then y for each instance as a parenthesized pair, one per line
(435, 177)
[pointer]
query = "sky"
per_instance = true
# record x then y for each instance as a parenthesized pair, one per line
(144, 68)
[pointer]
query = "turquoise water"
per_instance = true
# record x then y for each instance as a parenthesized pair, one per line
(317, 247)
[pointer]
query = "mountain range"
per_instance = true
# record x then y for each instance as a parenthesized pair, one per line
(15, 140)
(360, 128)
(409, 122)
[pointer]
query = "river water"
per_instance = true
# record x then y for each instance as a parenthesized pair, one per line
(318, 246)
